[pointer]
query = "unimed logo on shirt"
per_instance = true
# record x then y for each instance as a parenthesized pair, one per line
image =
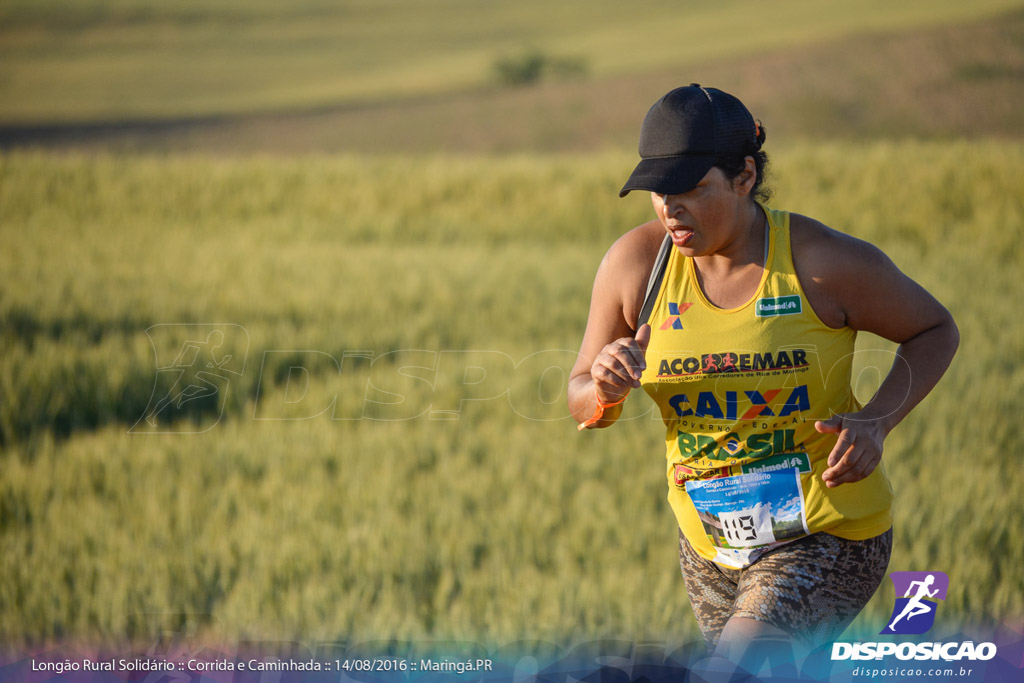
(778, 305)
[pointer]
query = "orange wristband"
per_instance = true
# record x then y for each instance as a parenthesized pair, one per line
(598, 413)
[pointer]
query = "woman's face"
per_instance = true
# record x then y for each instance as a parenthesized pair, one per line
(709, 218)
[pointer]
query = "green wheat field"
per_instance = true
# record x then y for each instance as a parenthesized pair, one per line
(388, 455)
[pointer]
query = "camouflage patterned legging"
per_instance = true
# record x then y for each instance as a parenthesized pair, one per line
(812, 588)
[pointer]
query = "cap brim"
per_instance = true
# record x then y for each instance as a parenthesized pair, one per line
(669, 175)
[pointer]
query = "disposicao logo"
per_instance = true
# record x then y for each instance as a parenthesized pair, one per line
(917, 594)
(778, 305)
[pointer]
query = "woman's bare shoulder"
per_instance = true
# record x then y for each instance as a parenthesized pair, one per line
(627, 265)
(832, 266)
(637, 245)
(822, 251)
(826, 242)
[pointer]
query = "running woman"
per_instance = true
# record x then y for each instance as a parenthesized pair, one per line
(915, 605)
(774, 469)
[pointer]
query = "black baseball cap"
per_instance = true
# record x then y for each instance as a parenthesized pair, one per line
(685, 133)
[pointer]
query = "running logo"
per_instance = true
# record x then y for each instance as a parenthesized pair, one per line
(194, 366)
(917, 594)
(672, 322)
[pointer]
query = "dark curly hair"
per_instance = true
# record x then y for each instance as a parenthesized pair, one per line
(733, 166)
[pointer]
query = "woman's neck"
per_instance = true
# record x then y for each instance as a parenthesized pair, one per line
(730, 276)
(744, 249)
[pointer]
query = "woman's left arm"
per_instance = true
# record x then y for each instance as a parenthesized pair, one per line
(863, 289)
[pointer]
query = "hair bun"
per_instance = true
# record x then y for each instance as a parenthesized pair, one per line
(759, 133)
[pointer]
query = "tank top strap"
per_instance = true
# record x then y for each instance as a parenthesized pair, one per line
(782, 279)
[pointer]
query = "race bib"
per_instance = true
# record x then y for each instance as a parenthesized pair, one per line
(746, 515)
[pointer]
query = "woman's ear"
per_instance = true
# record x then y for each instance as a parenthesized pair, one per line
(743, 183)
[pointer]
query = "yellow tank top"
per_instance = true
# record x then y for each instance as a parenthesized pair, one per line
(739, 390)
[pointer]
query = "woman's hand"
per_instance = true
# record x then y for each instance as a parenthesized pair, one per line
(858, 450)
(611, 355)
(618, 367)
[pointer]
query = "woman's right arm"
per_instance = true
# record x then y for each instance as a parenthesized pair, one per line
(611, 356)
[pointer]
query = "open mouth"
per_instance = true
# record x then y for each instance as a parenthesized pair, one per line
(681, 235)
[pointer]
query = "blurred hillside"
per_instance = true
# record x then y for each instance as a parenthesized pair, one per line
(462, 76)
